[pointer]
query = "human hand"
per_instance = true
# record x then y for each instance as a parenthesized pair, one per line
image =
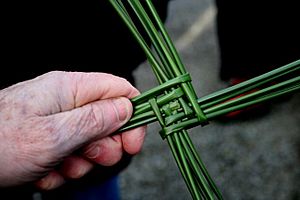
(45, 120)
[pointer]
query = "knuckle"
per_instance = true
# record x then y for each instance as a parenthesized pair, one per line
(96, 118)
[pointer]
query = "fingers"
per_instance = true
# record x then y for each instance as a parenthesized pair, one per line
(94, 86)
(51, 181)
(73, 167)
(97, 106)
(133, 140)
(89, 87)
(65, 91)
(90, 122)
(107, 151)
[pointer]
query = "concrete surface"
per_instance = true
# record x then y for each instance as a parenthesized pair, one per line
(252, 159)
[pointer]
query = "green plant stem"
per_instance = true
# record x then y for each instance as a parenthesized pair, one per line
(174, 103)
(202, 167)
(225, 94)
(220, 103)
(120, 8)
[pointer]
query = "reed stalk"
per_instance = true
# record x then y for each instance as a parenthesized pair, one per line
(174, 103)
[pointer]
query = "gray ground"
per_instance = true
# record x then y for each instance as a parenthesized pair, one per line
(254, 159)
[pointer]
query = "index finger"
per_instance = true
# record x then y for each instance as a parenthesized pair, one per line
(88, 87)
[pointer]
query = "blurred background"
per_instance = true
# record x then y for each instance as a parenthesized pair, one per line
(248, 159)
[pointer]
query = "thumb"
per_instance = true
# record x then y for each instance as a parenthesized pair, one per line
(91, 121)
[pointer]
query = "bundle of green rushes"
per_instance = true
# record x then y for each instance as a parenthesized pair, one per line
(174, 103)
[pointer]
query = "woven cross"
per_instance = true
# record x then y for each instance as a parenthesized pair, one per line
(174, 103)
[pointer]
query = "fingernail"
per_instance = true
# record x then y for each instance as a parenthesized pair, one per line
(93, 153)
(122, 108)
(50, 182)
(81, 172)
(44, 184)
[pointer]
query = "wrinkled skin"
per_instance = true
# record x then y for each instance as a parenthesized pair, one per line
(43, 122)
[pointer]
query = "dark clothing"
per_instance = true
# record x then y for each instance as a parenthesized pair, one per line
(70, 35)
(256, 36)
(38, 36)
